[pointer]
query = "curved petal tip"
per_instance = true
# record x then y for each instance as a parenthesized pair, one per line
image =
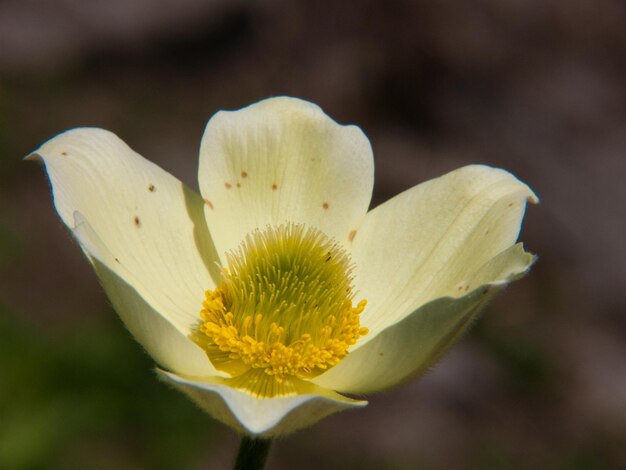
(261, 417)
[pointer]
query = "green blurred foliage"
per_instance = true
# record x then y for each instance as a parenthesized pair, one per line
(67, 399)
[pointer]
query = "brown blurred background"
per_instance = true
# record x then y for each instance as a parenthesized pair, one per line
(536, 87)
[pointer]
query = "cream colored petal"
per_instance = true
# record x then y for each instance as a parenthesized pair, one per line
(265, 417)
(161, 339)
(407, 348)
(280, 160)
(151, 223)
(428, 241)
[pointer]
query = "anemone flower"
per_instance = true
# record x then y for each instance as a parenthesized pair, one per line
(273, 297)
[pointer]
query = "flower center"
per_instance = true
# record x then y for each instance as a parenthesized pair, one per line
(283, 311)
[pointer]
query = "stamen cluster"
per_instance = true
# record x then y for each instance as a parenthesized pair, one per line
(285, 305)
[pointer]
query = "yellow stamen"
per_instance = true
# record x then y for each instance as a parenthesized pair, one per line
(284, 307)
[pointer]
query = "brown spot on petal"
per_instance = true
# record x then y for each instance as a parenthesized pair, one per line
(244, 174)
(381, 353)
(325, 205)
(238, 185)
(151, 187)
(510, 204)
(351, 235)
(208, 203)
(64, 154)
(227, 185)
(137, 221)
(274, 187)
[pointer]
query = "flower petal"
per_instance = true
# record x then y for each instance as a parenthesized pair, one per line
(266, 417)
(149, 221)
(426, 242)
(161, 339)
(280, 160)
(410, 346)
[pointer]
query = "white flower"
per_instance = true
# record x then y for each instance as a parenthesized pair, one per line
(275, 292)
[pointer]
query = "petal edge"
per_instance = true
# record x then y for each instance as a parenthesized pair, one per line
(265, 417)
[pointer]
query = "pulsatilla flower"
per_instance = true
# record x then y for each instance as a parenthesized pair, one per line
(273, 295)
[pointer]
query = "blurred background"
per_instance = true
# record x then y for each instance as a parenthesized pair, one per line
(536, 87)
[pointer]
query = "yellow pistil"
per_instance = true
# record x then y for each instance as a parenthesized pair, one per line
(284, 307)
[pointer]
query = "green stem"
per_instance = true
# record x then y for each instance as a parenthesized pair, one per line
(252, 453)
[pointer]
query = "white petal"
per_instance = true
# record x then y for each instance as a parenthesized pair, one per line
(150, 222)
(163, 341)
(426, 242)
(265, 417)
(410, 346)
(279, 160)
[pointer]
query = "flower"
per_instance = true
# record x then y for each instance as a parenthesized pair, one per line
(274, 293)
